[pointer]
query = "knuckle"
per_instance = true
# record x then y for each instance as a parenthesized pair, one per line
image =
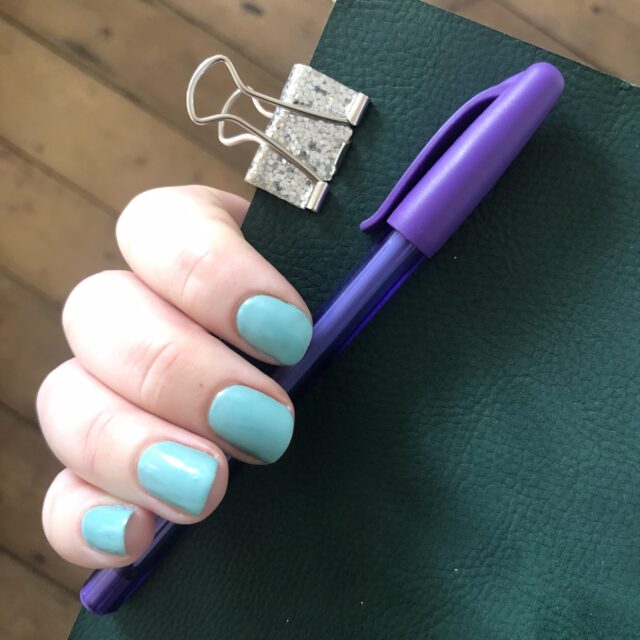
(153, 365)
(215, 256)
(81, 437)
(96, 442)
(88, 294)
(59, 488)
(48, 390)
(49, 506)
(201, 192)
(44, 392)
(146, 200)
(191, 268)
(139, 208)
(140, 202)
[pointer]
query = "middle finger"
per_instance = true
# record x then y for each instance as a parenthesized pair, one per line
(156, 357)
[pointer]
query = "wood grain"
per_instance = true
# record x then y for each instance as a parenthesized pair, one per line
(273, 33)
(493, 14)
(26, 469)
(32, 344)
(100, 36)
(50, 236)
(31, 607)
(91, 135)
(602, 32)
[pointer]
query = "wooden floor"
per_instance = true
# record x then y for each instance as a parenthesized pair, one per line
(92, 112)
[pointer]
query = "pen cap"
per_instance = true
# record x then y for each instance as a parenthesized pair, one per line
(466, 156)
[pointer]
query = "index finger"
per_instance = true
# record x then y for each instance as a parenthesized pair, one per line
(190, 250)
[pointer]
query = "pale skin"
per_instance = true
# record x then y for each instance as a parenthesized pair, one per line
(149, 357)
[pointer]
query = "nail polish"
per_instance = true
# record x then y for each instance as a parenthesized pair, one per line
(104, 528)
(251, 421)
(177, 474)
(276, 328)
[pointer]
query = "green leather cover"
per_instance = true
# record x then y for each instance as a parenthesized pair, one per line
(470, 466)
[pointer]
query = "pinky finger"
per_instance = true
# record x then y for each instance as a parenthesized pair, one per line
(91, 528)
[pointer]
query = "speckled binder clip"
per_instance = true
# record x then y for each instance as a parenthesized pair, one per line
(309, 129)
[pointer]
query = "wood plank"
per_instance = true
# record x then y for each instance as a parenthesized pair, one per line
(32, 344)
(274, 33)
(603, 32)
(32, 607)
(89, 134)
(101, 36)
(494, 15)
(50, 236)
(27, 467)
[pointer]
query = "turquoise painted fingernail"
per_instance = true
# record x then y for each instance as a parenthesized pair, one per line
(104, 528)
(276, 328)
(177, 474)
(252, 421)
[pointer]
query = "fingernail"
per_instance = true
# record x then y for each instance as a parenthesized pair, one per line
(104, 528)
(251, 421)
(177, 474)
(276, 328)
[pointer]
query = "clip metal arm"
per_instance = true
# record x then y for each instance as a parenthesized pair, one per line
(254, 134)
(255, 96)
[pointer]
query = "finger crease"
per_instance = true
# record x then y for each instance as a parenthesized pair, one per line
(156, 371)
(94, 440)
(188, 276)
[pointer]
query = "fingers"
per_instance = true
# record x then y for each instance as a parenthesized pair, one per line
(142, 416)
(184, 245)
(150, 353)
(91, 528)
(127, 452)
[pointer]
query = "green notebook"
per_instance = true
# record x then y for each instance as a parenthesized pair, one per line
(470, 466)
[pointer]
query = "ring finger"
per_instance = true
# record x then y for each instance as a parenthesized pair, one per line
(127, 452)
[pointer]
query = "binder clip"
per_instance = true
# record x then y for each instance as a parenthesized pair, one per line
(308, 131)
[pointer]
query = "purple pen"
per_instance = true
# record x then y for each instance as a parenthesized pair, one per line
(441, 187)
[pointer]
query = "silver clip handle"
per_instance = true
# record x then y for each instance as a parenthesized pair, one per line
(256, 96)
(254, 134)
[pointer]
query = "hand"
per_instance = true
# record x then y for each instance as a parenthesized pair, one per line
(144, 413)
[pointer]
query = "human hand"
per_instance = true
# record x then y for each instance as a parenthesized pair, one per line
(143, 414)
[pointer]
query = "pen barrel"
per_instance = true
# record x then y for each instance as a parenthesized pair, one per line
(340, 320)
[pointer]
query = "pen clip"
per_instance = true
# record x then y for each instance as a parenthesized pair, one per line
(466, 157)
(437, 146)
